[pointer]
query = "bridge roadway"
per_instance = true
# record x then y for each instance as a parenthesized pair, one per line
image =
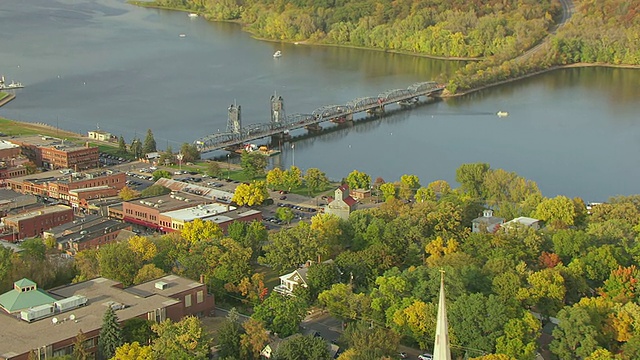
(334, 113)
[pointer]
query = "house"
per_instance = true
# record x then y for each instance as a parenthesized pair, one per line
(342, 204)
(99, 135)
(292, 280)
(486, 223)
(524, 221)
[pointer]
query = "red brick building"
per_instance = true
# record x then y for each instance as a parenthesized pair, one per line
(51, 153)
(34, 223)
(74, 189)
(170, 297)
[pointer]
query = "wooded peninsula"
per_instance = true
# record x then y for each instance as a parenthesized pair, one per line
(504, 39)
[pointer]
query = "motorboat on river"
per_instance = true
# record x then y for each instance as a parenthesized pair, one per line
(277, 54)
(193, 15)
(502, 114)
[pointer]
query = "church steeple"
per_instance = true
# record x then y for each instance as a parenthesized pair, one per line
(441, 350)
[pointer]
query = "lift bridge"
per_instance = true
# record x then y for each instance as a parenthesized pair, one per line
(280, 124)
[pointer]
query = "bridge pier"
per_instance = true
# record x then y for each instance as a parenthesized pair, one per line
(280, 137)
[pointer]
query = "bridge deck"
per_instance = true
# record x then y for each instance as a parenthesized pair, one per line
(326, 113)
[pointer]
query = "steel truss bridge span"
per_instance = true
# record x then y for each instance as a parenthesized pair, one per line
(236, 135)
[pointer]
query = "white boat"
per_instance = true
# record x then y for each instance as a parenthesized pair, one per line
(12, 85)
(183, 35)
(277, 54)
(502, 114)
(193, 15)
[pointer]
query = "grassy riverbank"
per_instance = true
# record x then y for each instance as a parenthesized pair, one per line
(20, 128)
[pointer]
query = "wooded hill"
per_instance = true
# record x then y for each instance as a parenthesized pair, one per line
(457, 28)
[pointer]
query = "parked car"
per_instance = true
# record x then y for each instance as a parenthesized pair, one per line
(283, 197)
(403, 355)
(425, 357)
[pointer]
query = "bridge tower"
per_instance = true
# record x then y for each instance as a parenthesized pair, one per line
(277, 111)
(234, 120)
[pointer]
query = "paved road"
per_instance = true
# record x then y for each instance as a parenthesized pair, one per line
(567, 12)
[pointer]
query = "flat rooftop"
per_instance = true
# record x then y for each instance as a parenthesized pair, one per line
(39, 212)
(174, 285)
(169, 202)
(48, 141)
(206, 192)
(18, 335)
(91, 232)
(4, 144)
(62, 177)
(198, 212)
(95, 188)
(77, 224)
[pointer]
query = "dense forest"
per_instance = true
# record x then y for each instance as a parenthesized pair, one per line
(440, 28)
(502, 287)
(498, 32)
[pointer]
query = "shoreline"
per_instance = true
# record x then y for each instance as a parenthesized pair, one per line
(447, 95)
(6, 99)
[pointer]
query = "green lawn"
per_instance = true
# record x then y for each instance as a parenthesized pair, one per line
(3, 95)
(15, 128)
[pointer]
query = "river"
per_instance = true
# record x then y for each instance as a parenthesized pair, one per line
(109, 65)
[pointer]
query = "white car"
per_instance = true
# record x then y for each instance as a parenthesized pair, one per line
(425, 357)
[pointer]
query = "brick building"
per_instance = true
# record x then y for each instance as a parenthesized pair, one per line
(74, 189)
(52, 153)
(169, 213)
(91, 236)
(34, 223)
(170, 297)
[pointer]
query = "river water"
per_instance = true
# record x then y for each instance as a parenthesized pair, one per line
(109, 65)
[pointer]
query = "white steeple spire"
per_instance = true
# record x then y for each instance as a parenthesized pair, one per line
(441, 350)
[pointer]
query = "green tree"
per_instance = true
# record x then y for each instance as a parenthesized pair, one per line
(315, 180)
(285, 214)
(253, 164)
(281, 314)
(343, 303)
(199, 230)
(575, 336)
(275, 178)
(213, 169)
(137, 330)
(185, 339)
(291, 247)
(86, 263)
(471, 177)
(158, 174)
(110, 337)
(365, 337)
(292, 178)
(122, 145)
(6, 256)
(33, 249)
(146, 273)
(520, 338)
(229, 336)
(118, 262)
(127, 193)
(253, 340)
(253, 194)
(189, 152)
(418, 321)
(149, 143)
(303, 347)
(358, 180)
(408, 185)
(321, 276)
(166, 157)
(388, 191)
(136, 148)
(558, 212)
(155, 190)
(133, 351)
(478, 320)
(80, 351)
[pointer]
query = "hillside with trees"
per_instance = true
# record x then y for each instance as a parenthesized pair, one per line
(496, 33)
